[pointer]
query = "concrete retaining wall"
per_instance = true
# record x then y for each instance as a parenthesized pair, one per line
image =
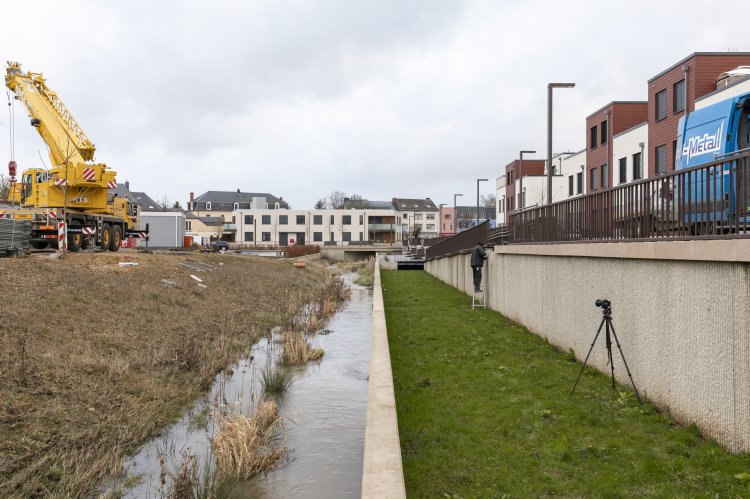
(382, 473)
(683, 319)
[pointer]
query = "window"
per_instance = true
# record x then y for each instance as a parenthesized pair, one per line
(674, 154)
(208, 206)
(605, 176)
(188, 225)
(300, 219)
(520, 202)
(249, 236)
(236, 206)
(430, 226)
(570, 185)
(317, 236)
(636, 166)
(346, 236)
(265, 236)
(317, 219)
(283, 219)
(661, 105)
(361, 220)
(579, 182)
(233, 219)
(249, 219)
(405, 215)
(331, 222)
(593, 137)
(593, 179)
(346, 220)
(418, 216)
(332, 238)
(661, 159)
(430, 216)
(678, 97)
(623, 170)
(361, 237)
(265, 220)
(604, 132)
(447, 216)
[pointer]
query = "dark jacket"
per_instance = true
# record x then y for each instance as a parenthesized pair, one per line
(477, 256)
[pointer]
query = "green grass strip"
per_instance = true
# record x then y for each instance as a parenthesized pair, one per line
(485, 410)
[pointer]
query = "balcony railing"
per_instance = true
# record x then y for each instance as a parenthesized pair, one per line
(383, 227)
(707, 201)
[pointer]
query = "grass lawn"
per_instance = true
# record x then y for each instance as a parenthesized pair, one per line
(484, 410)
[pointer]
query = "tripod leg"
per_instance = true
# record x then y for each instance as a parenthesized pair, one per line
(587, 356)
(617, 341)
(609, 350)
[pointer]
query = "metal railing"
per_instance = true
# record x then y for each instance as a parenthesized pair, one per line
(463, 241)
(707, 201)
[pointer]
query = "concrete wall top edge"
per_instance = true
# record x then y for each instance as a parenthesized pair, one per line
(715, 250)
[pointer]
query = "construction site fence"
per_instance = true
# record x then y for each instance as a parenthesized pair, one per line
(709, 201)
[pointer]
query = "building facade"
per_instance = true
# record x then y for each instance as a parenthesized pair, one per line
(601, 126)
(417, 214)
(267, 227)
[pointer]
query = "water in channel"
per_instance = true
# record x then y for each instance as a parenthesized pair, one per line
(324, 409)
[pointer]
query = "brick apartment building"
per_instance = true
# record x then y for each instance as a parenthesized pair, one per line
(601, 126)
(673, 92)
(513, 200)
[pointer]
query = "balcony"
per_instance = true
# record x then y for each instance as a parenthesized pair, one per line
(229, 228)
(382, 227)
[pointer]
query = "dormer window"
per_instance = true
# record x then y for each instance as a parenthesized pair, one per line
(208, 205)
(236, 206)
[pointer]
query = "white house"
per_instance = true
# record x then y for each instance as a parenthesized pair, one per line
(630, 154)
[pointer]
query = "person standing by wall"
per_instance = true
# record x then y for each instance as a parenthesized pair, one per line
(477, 262)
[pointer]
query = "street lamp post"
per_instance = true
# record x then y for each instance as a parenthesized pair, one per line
(550, 86)
(440, 214)
(520, 178)
(479, 180)
(455, 213)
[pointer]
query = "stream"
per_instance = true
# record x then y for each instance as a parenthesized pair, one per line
(324, 409)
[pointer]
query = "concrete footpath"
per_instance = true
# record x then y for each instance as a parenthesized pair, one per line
(382, 474)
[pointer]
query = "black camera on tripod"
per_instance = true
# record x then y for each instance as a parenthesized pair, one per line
(603, 303)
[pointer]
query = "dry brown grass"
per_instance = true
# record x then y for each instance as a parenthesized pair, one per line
(245, 445)
(95, 359)
(297, 350)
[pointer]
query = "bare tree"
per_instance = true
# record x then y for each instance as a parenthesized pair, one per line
(336, 200)
(488, 201)
(4, 187)
(165, 202)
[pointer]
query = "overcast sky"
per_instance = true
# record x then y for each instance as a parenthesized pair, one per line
(299, 98)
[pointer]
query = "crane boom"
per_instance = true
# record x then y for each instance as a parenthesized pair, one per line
(61, 132)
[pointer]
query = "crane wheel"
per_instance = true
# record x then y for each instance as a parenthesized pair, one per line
(116, 238)
(105, 237)
(74, 241)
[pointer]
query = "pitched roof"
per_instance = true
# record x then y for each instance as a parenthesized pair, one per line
(237, 197)
(364, 204)
(208, 220)
(146, 202)
(121, 192)
(405, 204)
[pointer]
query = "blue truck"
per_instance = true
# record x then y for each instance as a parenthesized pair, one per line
(715, 197)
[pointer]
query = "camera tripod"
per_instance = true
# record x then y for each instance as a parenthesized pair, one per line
(607, 319)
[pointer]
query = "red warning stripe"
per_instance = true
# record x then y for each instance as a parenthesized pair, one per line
(88, 173)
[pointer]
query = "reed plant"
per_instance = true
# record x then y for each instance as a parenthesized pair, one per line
(274, 380)
(297, 350)
(247, 444)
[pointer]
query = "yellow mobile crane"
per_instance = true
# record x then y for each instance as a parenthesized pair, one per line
(75, 189)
